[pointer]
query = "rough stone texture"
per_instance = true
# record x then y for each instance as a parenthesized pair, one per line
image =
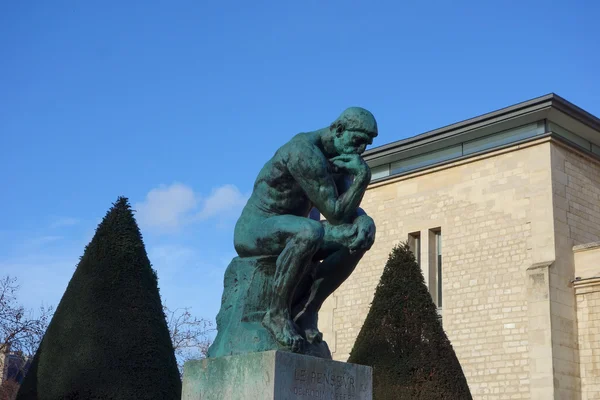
(240, 316)
(275, 375)
(586, 246)
(3, 358)
(540, 334)
(588, 321)
(586, 260)
(587, 290)
(576, 202)
(244, 304)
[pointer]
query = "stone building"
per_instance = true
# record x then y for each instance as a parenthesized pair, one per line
(13, 366)
(503, 213)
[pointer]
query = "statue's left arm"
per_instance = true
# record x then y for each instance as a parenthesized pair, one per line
(343, 182)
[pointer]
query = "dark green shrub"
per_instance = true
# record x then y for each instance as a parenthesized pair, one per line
(403, 339)
(108, 338)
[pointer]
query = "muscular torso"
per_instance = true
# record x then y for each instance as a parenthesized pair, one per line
(276, 192)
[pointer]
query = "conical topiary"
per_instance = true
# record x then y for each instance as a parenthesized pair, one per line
(108, 338)
(403, 340)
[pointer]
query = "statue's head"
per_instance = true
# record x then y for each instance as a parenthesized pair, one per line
(353, 130)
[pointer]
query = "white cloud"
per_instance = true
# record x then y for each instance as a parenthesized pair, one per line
(168, 208)
(171, 257)
(226, 199)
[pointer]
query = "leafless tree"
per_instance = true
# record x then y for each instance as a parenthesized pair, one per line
(21, 331)
(190, 335)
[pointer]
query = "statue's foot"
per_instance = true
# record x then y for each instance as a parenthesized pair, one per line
(313, 335)
(308, 324)
(284, 331)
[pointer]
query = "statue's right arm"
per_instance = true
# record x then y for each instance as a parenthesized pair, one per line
(308, 166)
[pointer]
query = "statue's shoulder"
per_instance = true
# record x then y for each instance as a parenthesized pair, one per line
(300, 152)
(301, 145)
(299, 139)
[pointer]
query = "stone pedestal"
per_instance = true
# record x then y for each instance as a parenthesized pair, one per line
(275, 375)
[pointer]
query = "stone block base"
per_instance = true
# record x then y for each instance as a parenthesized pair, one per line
(275, 375)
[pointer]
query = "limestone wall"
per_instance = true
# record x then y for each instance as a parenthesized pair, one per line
(3, 358)
(588, 315)
(587, 289)
(576, 201)
(587, 260)
(495, 214)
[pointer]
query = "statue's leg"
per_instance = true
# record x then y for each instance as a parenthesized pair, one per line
(296, 240)
(337, 265)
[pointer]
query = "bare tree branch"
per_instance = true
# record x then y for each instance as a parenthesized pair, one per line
(21, 333)
(189, 334)
(20, 330)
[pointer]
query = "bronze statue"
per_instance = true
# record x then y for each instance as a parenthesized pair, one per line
(290, 262)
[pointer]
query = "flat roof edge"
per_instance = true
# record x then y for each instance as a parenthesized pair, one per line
(576, 112)
(538, 103)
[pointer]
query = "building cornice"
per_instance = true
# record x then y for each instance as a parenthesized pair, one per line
(586, 247)
(587, 285)
(575, 112)
(461, 161)
(549, 106)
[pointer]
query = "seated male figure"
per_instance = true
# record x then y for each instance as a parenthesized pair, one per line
(324, 170)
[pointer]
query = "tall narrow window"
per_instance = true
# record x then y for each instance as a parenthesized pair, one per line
(434, 252)
(438, 245)
(414, 242)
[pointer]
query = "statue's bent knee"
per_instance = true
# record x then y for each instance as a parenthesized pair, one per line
(312, 233)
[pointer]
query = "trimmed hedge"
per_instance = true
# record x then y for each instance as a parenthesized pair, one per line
(108, 338)
(403, 339)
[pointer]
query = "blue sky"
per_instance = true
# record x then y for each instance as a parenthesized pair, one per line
(177, 105)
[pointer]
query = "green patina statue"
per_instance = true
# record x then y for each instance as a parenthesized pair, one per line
(290, 262)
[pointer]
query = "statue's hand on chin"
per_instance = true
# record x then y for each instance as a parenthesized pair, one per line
(350, 163)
